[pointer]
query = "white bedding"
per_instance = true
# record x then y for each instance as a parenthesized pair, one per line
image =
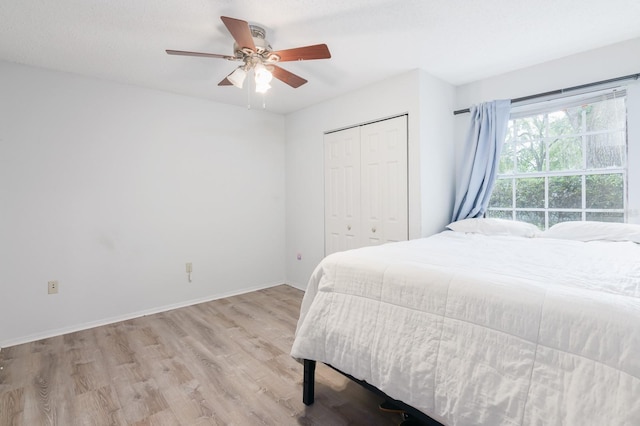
(473, 330)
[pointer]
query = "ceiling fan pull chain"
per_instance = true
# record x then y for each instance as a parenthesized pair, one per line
(249, 94)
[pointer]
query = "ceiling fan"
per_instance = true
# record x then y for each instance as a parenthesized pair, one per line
(253, 50)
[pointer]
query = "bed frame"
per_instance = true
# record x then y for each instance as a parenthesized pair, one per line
(308, 392)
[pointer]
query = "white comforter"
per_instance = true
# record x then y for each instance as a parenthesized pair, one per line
(477, 330)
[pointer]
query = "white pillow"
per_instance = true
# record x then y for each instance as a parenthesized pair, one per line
(594, 231)
(494, 226)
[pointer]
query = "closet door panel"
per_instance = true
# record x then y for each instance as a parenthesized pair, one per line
(372, 199)
(384, 181)
(342, 190)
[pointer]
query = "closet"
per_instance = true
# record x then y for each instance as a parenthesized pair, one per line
(366, 185)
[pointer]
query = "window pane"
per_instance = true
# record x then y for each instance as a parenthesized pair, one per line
(557, 217)
(529, 128)
(565, 192)
(502, 195)
(530, 193)
(565, 154)
(531, 156)
(511, 132)
(604, 191)
(500, 214)
(605, 216)
(565, 122)
(537, 218)
(606, 150)
(507, 158)
(608, 114)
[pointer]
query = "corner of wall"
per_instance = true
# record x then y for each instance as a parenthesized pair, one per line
(437, 151)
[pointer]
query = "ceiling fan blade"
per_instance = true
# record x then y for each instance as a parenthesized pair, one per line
(225, 82)
(287, 77)
(317, 51)
(240, 31)
(206, 55)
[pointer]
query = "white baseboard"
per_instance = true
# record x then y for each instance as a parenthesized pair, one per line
(85, 326)
(298, 286)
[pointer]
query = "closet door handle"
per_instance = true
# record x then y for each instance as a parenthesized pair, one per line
(373, 229)
(348, 227)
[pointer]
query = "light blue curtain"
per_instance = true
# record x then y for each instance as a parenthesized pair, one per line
(483, 146)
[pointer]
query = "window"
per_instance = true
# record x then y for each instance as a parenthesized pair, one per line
(567, 161)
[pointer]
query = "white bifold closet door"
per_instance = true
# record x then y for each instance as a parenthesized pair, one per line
(366, 191)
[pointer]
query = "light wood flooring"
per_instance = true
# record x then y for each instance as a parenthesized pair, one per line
(224, 362)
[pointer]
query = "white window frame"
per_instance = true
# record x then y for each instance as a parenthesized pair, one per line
(550, 107)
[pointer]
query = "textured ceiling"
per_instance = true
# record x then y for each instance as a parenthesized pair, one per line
(458, 41)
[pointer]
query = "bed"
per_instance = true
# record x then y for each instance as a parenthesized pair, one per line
(490, 323)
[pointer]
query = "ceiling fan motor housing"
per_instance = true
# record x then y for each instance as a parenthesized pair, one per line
(258, 36)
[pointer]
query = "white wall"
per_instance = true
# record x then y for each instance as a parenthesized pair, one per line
(430, 160)
(110, 189)
(437, 154)
(633, 153)
(596, 65)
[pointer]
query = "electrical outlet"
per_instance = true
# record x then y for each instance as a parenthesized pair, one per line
(189, 268)
(53, 287)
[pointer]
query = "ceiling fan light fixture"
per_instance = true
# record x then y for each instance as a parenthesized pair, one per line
(237, 77)
(263, 75)
(262, 87)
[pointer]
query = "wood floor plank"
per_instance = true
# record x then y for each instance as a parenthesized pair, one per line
(98, 407)
(224, 362)
(12, 407)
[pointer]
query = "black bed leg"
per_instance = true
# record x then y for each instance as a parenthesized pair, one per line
(309, 381)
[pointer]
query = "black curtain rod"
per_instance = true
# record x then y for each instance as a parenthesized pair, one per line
(562, 91)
